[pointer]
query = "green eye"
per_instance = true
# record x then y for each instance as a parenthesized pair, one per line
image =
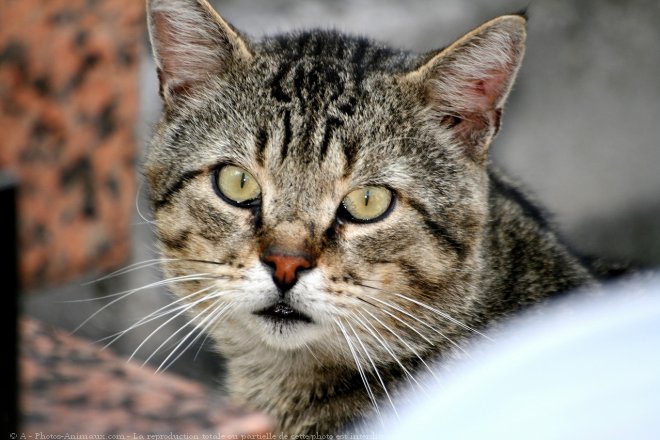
(236, 185)
(367, 204)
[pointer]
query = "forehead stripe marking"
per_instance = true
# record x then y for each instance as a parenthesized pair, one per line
(287, 134)
(276, 90)
(330, 126)
(260, 143)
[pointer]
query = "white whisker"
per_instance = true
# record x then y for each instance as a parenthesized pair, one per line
(311, 352)
(206, 337)
(432, 309)
(210, 318)
(444, 315)
(182, 309)
(215, 320)
(156, 314)
(188, 307)
(373, 364)
(363, 376)
(416, 319)
(378, 337)
(392, 315)
(137, 206)
(130, 268)
(127, 293)
(404, 342)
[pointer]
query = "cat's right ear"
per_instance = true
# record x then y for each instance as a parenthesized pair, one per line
(191, 42)
(464, 86)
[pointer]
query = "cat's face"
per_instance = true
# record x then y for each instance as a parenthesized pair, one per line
(262, 171)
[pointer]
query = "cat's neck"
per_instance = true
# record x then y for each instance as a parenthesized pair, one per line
(295, 388)
(525, 260)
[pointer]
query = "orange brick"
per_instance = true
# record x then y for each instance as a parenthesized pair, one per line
(68, 109)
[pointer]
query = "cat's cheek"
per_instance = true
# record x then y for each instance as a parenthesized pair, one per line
(312, 296)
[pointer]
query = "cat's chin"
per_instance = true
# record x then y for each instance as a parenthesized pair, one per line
(287, 336)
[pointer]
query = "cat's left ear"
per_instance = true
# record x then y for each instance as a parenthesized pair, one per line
(465, 85)
(191, 43)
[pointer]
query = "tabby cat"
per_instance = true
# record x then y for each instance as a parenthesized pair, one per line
(329, 203)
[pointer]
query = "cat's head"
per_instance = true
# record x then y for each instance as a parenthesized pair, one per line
(317, 188)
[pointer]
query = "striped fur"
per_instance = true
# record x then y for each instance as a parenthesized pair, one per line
(313, 115)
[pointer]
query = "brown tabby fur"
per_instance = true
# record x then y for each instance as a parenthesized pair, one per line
(312, 116)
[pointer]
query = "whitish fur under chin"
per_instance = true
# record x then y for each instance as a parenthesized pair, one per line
(268, 335)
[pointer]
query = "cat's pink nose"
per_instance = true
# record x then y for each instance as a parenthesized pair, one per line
(286, 266)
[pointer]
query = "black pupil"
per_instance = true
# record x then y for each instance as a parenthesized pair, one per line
(366, 198)
(243, 179)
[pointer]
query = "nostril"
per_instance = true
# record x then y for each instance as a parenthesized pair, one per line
(302, 269)
(268, 262)
(286, 267)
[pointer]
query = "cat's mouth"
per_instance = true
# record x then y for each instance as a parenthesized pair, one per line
(282, 312)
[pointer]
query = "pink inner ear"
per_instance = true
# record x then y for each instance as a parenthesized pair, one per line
(473, 104)
(188, 52)
(164, 40)
(484, 94)
(466, 94)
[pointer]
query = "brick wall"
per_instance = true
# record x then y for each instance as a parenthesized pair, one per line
(68, 111)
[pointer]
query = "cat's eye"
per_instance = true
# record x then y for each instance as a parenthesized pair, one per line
(367, 204)
(236, 186)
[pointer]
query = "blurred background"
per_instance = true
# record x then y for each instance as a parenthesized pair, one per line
(78, 91)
